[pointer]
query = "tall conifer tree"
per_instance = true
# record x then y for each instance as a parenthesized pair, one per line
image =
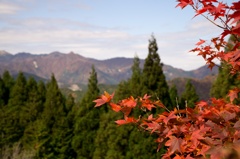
(42, 91)
(8, 82)
(87, 120)
(53, 118)
(69, 152)
(132, 86)
(2, 113)
(154, 82)
(151, 81)
(135, 80)
(3, 91)
(16, 122)
(34, 105)
(32, 111)
(112, 145)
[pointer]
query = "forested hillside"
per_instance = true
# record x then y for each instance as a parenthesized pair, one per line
(185, 127)
(38, 121)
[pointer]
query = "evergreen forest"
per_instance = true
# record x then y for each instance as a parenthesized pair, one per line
(38, 121)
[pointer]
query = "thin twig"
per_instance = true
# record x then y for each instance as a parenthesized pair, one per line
(186, 108)
(177, 106)
(163, 104)
(209, 19)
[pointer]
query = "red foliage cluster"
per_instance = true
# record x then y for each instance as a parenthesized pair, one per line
(229, 17)
(211, 129)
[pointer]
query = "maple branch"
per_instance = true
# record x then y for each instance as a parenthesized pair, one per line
(208, 18)
(178, 106)
(164, 105)
(186, 107)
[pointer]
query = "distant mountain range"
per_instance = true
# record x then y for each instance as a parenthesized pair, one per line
(73, 68)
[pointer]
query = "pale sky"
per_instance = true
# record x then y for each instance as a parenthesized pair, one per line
(104, 29)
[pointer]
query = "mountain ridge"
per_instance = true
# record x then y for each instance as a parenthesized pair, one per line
(73, 68)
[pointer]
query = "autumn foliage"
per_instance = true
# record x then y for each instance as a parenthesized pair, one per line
(212, 128)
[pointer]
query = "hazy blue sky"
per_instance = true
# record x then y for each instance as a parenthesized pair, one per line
(103, 29)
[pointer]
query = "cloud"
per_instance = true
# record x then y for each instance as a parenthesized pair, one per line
(96, 42)
(43, 35)
(103, 43)
(174, 47)
(9, 8)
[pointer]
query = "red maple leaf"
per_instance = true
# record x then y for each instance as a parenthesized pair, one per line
(202, 104)
(146, 96)
(150, 117)
(200, 42)
(200, 11)
(152, 126)
(219, 10)
(148, 104)
(105, 98)
(126, 110)
(233, 94)
(178, 157)
(127, 120)
(195, 137)
(169, 117)
(184, 3)
(160, 104)
(129, 102)
(226, 115)
(174, 144)
(236, 5)
(115, 107)
(237, 125)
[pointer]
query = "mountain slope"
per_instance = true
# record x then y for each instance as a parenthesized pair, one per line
(73, 68)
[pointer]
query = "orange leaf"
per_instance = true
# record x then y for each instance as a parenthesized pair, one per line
(169, 117)
(195, 137)
(150, 117)
(105, 98)
(126, 121)
(115, 107)
(99, 102)
(126, 110)
(184, 3)
(121, 122)
(233, 94)
(160, 104)
(202, 104)
(189, 157)
(148, 104)
(130, 102)
(178, 157)
(146, 96)
(200, 42)
(174, 144)
(153, 126)
(200, 11)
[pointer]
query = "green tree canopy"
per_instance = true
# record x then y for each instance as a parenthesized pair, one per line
(87, 120)
(153, 79)
(174, 96)
(189, 96)
(225, 81)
